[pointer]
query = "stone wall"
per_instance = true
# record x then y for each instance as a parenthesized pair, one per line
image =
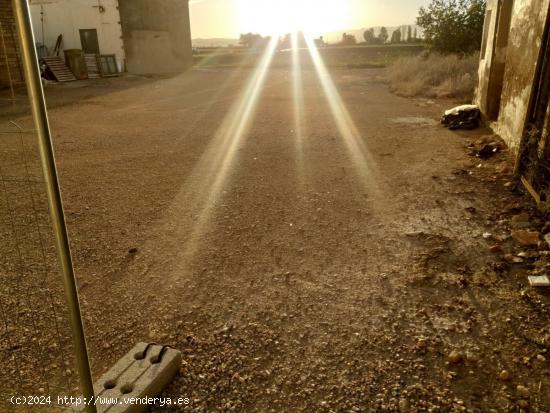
(509, 60)
(526, 36)
(494, 54)
(486, 56)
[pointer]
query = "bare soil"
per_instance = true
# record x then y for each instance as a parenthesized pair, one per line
(311, 273)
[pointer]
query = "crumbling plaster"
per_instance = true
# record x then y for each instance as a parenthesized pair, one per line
(527, 29)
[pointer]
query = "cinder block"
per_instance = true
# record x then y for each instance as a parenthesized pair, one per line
(137, 375)
(539, 281)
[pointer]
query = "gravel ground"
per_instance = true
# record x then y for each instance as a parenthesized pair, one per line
(359, 260)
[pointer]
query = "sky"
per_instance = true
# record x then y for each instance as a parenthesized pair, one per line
(229, 18)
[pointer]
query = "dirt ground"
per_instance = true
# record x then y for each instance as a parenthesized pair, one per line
(351, 262)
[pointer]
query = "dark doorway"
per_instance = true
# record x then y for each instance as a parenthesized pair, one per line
(89, 41)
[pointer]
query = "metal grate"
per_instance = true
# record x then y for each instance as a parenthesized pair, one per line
(11, 72)
(36, 352)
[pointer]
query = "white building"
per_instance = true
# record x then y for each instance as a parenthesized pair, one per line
(146, 36)
(91, 25)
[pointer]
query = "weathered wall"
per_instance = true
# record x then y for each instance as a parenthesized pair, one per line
(494, 53)
(487, 51)
(157, 35)
(10, 63)
(525, 41)
(51, 18)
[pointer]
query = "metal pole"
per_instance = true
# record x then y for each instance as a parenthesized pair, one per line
(38, 106)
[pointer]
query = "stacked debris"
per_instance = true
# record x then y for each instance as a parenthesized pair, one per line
(524, 241)
(76, 65)
(462, 117)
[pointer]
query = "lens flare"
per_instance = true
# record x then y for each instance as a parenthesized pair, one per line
(212, 172)
(286, 16)
(356, 146)
(298, 103)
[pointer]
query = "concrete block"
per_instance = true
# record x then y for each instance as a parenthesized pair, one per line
(539, 281)
(143, 372)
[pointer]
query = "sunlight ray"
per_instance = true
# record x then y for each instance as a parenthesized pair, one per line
(221, 155)
(363, 160)
(298, 103)
(210, 58)
(209, 61)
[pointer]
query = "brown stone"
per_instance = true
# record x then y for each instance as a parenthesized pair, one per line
(520, 221)
(512, 259)
(505, 375)
(525, 237)
(495, 249)
(522, 391)
(455, 357)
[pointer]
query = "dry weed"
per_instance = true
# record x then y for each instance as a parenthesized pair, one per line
(435, 76)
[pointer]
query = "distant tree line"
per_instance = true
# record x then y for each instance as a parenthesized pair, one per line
(404, 34)
(449, 26)
(253, 40)
(257, 41)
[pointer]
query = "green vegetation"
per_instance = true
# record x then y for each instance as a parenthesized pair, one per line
(453, 26)
(383, 36)
(250, 40)
(396, 36)
(369, 36)
(348, 39)
(452, 31)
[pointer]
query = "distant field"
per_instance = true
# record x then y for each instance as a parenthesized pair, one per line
(333, 56)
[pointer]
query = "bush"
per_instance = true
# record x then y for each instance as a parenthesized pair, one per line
(435, 76)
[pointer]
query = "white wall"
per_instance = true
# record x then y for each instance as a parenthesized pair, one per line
(50, 18)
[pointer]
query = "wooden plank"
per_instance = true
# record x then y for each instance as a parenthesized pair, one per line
(531, 190)
(59, 69)
(92, 66)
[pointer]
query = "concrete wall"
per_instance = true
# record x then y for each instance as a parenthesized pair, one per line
(494, 54)
(527, 28)
(157, 35)
(487, 52)
(51, 18)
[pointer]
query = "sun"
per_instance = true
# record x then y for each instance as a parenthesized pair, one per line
(278, 17)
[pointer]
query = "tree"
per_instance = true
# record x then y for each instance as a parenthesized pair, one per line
(396, 36)
(250, 40)
(287, 42)
(369, 36)
(453, 26)
(320, 42)
(409, 34)
(415, 37)
(348, 39)
(383, 35)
